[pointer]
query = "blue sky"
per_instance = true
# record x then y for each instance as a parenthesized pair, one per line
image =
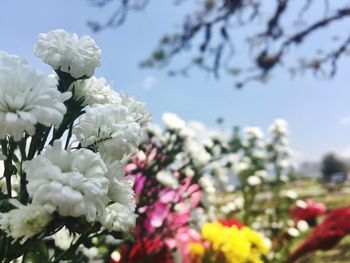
(316, 110)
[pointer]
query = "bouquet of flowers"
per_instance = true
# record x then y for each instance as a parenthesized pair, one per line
(65, 139)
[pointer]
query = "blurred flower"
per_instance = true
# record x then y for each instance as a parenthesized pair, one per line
(307, 211)
(196, 252)
(172, 121)
(231, 222)
(167, 179)
(118, 218)
(252, 133)
(197, 152)
(327, 234)
(27, 98)
(290, 194)
(151, 249)
(24, 222)
(293, 232)
(71, 182)
(233, 244)
(254, 180)
(279, 126)
(302, 226)
(68, 53)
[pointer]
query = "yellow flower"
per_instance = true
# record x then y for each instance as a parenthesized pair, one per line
(196, 250)
(233, 244)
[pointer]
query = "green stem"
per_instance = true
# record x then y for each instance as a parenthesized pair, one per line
(9, 167)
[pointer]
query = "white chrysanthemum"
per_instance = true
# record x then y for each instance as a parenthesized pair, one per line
(71, 182)
(172, 121)
(137, 109)
(27, 97)
(118, 218)
(167, 179)
(120, 186)
(63, 239)
(6, 56)
(111, 129)
(67, 52)
(24, 222)
(94, 90)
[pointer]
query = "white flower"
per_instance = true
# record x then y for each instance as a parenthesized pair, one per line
(118, 218)
(279, 126)
(71, 182)
(189, 172)
(24, 222)
(254, 180)
(67, 52)
(253, 132)
(6, 56)
(301, 204)
(137, 109)
(91, 253)
(262, 173)
(120, 186)
(167, 179)
(302, 226)
(293, 232)
(115, 256)
(207, 183)
(27, 97)
(63, 239)
(291, 194)
(94, 90)
(283, 163)
(111, 129)
(172, 121)
(197, 152)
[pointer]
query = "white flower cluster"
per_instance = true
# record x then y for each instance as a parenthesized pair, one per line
(86, 181)
(27, 98)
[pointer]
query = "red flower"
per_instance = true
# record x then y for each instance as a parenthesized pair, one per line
(326, 235)
(146, 251)
(307, 211)
(231, 222)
